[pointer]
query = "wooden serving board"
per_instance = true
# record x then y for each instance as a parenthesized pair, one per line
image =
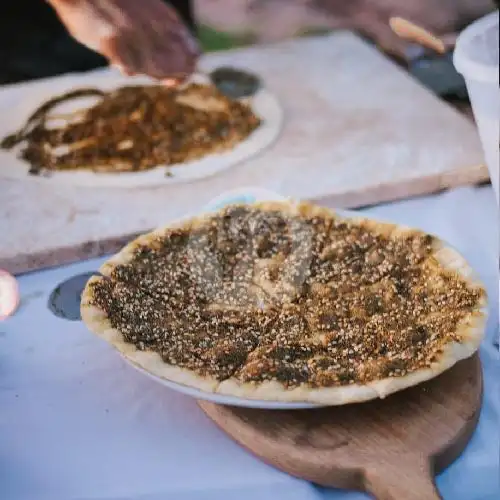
(358, 130)
(389, 448)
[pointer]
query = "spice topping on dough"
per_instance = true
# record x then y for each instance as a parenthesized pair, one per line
(134, 128)
(260, 295)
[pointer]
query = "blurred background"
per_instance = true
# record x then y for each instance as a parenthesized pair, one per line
(223, 23)
(35, 44)
(30, 30)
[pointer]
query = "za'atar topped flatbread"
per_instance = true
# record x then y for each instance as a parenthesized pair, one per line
(131, 132)
(285, 301)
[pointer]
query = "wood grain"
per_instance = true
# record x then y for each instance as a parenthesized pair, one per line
(390, 448)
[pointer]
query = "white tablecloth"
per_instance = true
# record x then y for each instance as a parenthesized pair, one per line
(77, 423)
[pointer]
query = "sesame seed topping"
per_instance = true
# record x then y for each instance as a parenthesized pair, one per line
(261, 295)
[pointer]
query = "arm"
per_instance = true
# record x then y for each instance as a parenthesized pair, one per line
(144, 37)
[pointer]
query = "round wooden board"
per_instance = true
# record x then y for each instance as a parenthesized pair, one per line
(390, 448)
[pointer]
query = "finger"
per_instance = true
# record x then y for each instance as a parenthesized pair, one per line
(166, 59)
(161, 67)
(163, 20)
(190, 41)
(149, 49)
(376, 27)
(153, 60)
(124, 70)
(171, 82)
(131, 53)
(123, 50)
(415, 33)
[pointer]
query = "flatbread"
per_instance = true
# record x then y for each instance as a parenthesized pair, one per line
(264, 104)
(443, 274)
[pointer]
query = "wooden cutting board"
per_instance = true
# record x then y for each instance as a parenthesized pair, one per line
(358, 130)
(389, 448)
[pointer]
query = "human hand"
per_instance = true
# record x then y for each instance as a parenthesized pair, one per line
(139, 37)
(371, 17)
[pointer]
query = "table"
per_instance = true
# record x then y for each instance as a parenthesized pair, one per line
(77, 423)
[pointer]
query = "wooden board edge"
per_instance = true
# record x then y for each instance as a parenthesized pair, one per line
(409, 188)
(53, 257)
(383, 193)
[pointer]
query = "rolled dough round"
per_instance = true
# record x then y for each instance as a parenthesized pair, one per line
(264, 104)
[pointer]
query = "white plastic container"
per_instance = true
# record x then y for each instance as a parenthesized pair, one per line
(476, 57)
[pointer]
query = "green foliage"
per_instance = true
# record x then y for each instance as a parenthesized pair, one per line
(212, 40)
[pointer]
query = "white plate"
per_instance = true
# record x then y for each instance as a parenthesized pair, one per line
(226, 400)
(264, 104)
